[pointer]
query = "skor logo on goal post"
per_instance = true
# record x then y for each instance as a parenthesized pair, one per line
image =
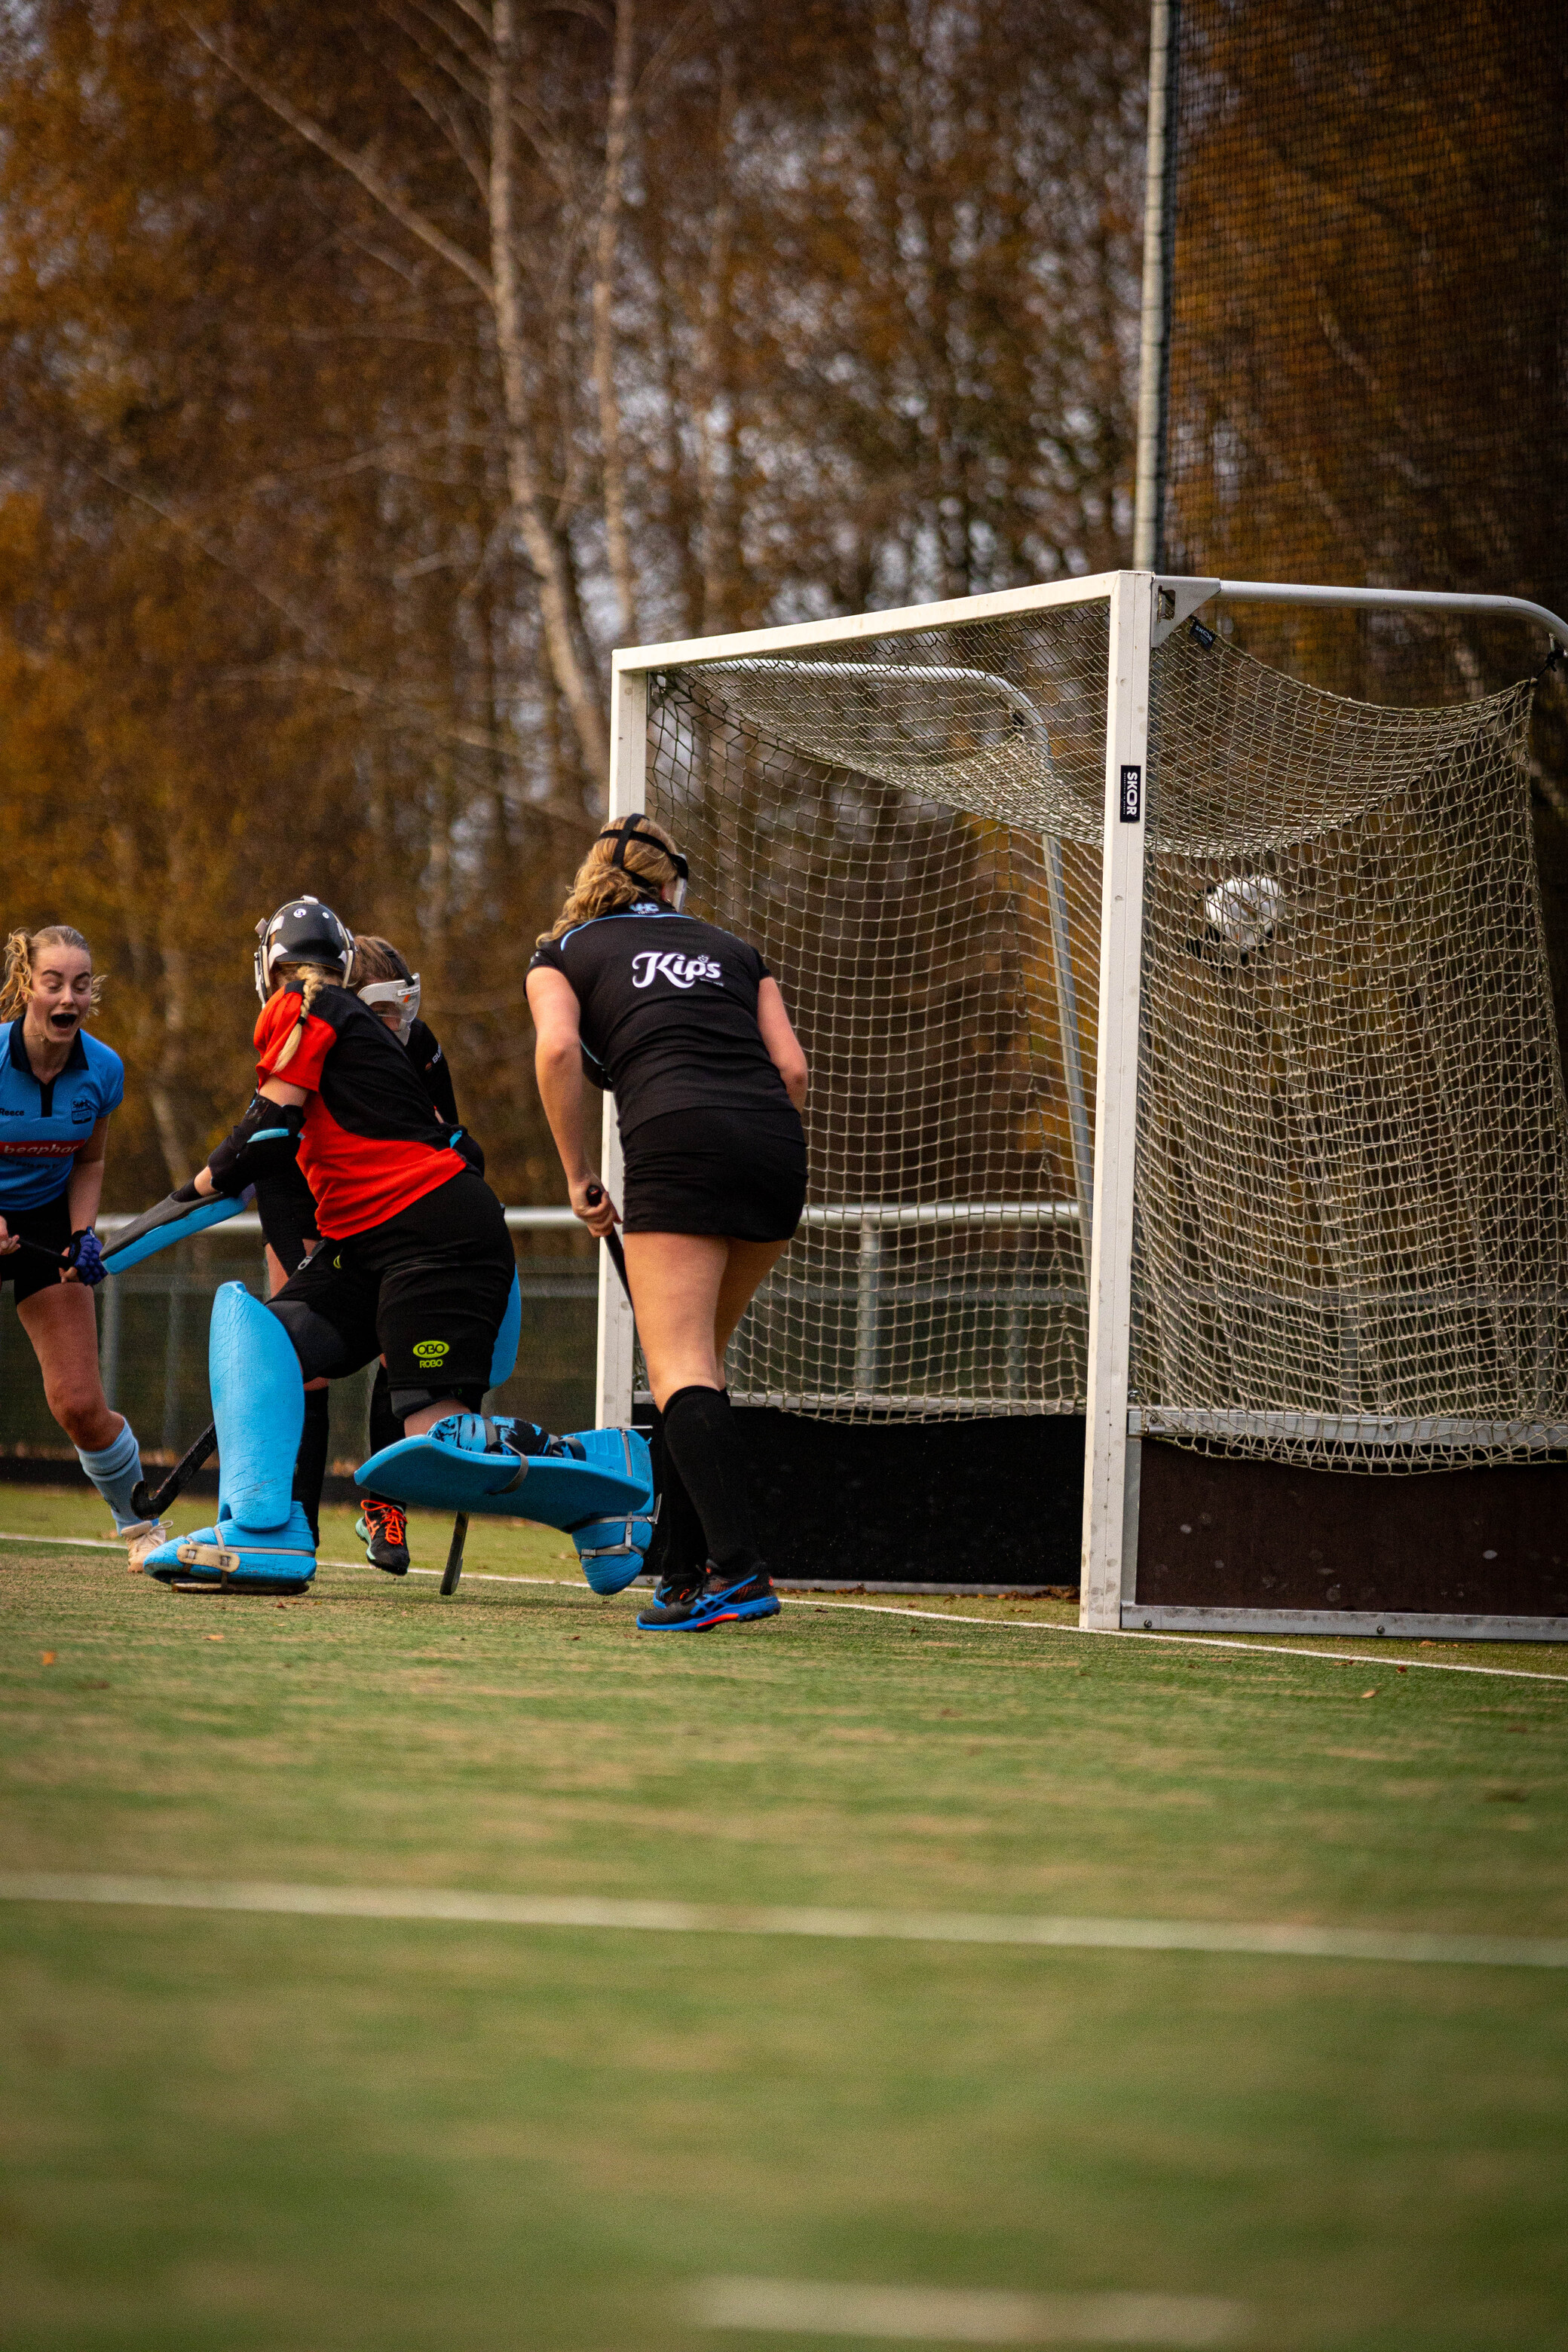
(1132, 810)
(430, 1351)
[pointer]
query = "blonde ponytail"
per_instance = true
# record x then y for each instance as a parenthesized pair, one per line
(601, 887)
(16, 988)
(316, 976)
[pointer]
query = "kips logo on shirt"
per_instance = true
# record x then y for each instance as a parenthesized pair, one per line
(683, 971)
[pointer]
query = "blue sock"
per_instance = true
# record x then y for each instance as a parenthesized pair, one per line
(114, 1472)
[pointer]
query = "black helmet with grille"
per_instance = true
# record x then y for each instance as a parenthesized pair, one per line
(303, 931)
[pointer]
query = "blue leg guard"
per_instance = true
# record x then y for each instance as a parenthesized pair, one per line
(612, 1551)
(261, 1541)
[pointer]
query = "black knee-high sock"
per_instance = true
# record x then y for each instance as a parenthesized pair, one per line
(704, 1439)
(311, 1461)
(680, 1546)
(385, 1429)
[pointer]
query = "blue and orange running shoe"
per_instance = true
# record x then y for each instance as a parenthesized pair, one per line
(719, 1600)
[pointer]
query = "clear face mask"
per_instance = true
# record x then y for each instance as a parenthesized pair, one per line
(399, 996)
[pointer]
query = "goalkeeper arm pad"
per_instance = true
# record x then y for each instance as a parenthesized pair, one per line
(267, 1137)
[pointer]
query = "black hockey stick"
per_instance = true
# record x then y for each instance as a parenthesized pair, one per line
(152, 1506)
(612, 1241)
(42, 1249)
(454, 1567)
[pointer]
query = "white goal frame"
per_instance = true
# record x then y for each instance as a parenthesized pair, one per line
(1143, 607)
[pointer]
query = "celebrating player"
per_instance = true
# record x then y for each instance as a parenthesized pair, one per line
(59, 1089)
(416, 1265)
(688, 1029)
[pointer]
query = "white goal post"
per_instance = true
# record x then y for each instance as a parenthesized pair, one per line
(1140, 611)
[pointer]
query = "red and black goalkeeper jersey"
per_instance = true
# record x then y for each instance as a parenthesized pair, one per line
(373, 1144)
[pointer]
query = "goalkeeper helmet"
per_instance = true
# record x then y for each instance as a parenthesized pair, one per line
(301, 931)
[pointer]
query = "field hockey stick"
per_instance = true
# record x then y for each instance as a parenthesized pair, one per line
(42, 1249)
(454, 1567)
(64, 1261)
(612, 1241)
(152, 1506)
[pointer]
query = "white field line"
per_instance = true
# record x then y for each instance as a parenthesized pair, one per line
(1183, 2323)
(437, 1902)
(1233, 1643)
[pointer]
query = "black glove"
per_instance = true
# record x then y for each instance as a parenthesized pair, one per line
(267, 1137)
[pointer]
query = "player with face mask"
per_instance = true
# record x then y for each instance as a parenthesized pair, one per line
(381, 976)
(413, 1264)
(686, 1026)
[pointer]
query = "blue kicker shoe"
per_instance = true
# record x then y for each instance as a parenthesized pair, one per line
(615, 1551)
(719, 1600)
(237, 1558)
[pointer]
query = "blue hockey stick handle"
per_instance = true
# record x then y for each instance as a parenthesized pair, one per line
(170, 1222)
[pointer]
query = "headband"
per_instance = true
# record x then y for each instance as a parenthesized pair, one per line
(628, 830)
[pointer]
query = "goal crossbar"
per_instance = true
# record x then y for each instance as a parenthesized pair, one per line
(1094, 588)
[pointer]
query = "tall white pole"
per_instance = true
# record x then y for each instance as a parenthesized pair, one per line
(1153, 356)
(617, 1338)
(1105, 1552)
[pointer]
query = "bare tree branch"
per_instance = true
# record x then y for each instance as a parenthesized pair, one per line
(577, 690)
(617, 542)
(714, 491)
(290, 612)
(356, 166)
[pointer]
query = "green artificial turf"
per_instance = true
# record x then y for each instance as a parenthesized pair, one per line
(296, 2135)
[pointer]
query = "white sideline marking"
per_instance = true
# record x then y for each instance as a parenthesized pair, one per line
(1233, 1643)
(966, 2314)
(1285, 1942)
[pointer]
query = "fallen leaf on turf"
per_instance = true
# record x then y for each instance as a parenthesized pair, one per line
(46, 1657)
(1402, 1670)
(214, 1637)
(1371, 1694)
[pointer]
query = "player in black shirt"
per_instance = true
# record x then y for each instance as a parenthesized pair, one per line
(382, 978)
(686, 1026)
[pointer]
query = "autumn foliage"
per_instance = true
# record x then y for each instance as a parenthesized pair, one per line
(368, 372)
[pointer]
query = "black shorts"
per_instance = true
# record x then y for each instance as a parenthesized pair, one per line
(428, 1290)
(738, 1173)
(25, 1269)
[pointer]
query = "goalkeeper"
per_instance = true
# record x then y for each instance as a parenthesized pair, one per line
(416, 1265)
(381, 976)
(59, 1089)
(688, 1029)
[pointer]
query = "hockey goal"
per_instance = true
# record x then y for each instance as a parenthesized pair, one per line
(1182, 1037)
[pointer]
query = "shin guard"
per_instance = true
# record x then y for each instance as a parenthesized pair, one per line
(261, 1541)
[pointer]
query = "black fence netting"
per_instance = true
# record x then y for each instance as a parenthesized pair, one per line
(1367, 375)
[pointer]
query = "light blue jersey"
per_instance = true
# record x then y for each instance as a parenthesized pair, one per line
(44, 1123)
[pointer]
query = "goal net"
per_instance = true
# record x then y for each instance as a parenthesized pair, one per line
(1351, 1234)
